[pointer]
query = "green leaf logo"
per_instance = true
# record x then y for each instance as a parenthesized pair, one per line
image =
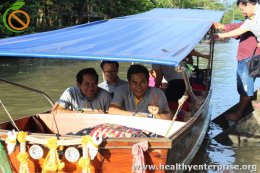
(17, 5)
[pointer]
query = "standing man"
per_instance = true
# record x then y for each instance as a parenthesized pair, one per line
(138, 99)
(252, 23)
(86, 97)
(245, 83)
(112, 81)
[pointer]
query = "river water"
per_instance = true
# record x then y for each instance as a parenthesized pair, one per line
(223, 97)
(53, 76)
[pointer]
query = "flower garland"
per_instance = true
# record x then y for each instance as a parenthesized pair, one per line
(52, 161)
(11, 141)
(84, 161)
(23, 156)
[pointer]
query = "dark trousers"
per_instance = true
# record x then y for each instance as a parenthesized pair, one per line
(175, 89)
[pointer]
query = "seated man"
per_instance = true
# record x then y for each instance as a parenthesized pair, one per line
(86, 96)
(137, 98)
(112, 81)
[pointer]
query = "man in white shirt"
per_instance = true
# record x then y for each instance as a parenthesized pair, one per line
(112, 81)
(250, 9)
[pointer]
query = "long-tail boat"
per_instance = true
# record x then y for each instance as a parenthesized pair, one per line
(46, 142)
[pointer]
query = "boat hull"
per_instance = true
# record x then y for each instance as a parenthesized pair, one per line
(115, 154)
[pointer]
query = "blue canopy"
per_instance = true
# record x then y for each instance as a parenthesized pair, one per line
(163, 36)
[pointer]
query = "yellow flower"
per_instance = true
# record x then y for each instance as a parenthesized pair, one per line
(52, 143)
(23, 157)
(84, 162)
(21, 136)
(85, 139)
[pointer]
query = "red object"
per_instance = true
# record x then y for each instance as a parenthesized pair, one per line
(174, 105)
(198, 87)
(247, 42)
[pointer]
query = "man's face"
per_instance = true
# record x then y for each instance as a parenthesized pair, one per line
(247, 10)
(110, 72)
(88, 86)
(138, 84)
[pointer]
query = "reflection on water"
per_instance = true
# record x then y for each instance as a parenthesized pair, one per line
(20, 102)
(224, 96)
(54, 76)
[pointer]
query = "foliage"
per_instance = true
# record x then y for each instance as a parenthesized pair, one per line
(201, 4)
(233, 14)
(54, 14)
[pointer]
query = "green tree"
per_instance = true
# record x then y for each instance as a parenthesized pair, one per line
(47, 15)
(233, 13)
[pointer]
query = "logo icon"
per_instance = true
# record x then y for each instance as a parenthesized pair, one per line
(18, 16)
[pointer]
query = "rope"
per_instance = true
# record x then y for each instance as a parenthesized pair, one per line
(181, 102)
(53, 112)
(9, 116)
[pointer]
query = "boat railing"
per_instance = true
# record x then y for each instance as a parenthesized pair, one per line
(29, 89)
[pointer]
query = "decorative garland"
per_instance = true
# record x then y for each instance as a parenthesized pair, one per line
(11, 141)
(84, 161)
(52, 161)
(23, 155)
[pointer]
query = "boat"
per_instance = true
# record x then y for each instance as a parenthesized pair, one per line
(216, 40)
(47, 141)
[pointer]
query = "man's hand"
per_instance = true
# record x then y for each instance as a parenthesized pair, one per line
(218, 26)
(217, 35)
(153, 109)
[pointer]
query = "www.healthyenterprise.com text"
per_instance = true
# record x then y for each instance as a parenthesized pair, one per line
(205, 167)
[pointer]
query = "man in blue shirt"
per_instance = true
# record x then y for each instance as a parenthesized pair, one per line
(86, 96)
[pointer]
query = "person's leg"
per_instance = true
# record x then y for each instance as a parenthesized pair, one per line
(256, 103)
(175, 89)
(243, 102)
(245, 87)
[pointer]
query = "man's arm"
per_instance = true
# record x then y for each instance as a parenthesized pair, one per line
(233, 33)
(226, 27)
(115, 109)
(165, 116)
(198, 54)
(59, 109)
(232, 30)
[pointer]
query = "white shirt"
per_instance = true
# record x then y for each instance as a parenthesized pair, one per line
(112, 88)
(253, 24)
(169, 72)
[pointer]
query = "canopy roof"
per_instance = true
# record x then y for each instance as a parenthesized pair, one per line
(163, 36)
